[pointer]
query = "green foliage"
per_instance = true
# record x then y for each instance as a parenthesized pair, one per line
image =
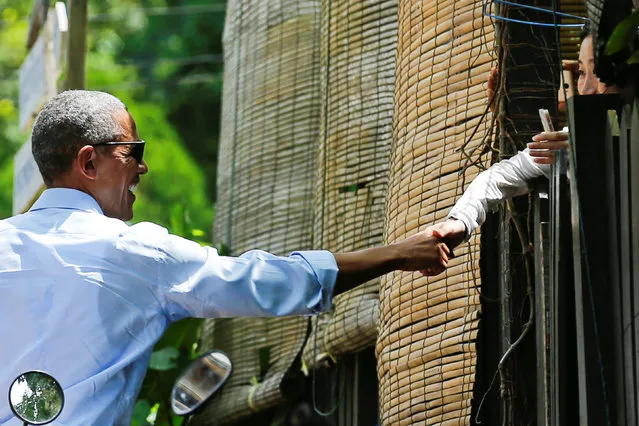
(178, 58)
(13, 30)
(171, 355)
(174, 351)
(623, 34)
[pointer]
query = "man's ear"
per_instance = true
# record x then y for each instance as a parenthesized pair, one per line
(86, 160)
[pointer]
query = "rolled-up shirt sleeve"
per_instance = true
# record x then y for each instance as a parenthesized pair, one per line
(505, 179)
(197, 281)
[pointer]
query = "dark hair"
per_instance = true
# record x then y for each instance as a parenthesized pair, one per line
(69, 121)
(586, 30)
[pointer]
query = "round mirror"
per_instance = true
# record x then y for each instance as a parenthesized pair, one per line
(36, 398)
(203, 377)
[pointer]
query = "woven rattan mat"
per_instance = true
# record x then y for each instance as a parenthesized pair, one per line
(358, 47)
(426, 345)
(270, 122)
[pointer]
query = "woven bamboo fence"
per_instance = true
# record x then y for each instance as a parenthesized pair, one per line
(270, 122)
(358, 47)
(428, 326)
(569, 36)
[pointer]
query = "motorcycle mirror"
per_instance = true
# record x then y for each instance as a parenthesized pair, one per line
(201, 379)
(36, 398)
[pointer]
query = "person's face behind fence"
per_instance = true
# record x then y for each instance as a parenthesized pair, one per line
(582, 72)
(587, 82)
(117, 172)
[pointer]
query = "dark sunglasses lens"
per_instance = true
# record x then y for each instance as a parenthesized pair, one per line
(138, 152)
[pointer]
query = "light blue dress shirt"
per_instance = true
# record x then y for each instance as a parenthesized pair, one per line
(85, 297)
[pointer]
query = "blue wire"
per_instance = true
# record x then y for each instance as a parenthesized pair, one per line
(539, 9)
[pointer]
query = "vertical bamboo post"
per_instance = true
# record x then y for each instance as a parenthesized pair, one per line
(76, 53)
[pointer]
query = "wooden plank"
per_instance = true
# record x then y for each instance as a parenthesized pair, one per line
(27, 180)
(41, 69)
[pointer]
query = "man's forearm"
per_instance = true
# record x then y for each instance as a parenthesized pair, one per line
(358, 267)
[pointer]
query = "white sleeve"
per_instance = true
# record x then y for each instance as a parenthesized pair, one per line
(505, 179)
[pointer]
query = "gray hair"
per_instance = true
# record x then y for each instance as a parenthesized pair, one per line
(67, 122)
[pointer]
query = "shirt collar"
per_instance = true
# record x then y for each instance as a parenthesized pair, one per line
(66, 198)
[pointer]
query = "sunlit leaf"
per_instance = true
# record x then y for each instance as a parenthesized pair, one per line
(140, 413)
(153, 413)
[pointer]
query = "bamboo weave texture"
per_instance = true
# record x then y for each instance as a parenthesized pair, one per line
(426, 346)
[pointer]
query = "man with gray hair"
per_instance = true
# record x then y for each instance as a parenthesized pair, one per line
(84, 296)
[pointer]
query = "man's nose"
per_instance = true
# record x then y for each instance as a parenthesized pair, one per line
(143, 168)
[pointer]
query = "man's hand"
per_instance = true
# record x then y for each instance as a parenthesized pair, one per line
(545, 144)
(570, 71)
(421, 252)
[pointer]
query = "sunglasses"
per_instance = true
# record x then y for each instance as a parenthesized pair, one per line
(137, 151)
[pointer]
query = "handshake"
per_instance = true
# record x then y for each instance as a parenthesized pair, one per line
(429, 251)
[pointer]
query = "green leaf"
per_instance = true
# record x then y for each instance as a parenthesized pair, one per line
(223, 249)
(140, 413)
(164, 359)
(350, 188)
(153, 414)
(634, 59)
(197, 233)
(622, 33)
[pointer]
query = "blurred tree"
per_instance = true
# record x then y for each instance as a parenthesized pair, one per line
(13, 30)
(176, 46)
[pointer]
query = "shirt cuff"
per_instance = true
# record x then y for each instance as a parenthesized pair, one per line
(468, 223)
(324, 266)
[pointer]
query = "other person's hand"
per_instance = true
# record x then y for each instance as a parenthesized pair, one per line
(545, 144)
(451, 231)
(493, 81)
(570, 72)
(423, 252)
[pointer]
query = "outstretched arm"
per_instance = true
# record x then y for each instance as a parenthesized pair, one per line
(197, 281)
(419, 252)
